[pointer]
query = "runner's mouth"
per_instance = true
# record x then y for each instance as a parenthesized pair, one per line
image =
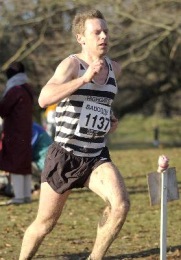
(103, 45)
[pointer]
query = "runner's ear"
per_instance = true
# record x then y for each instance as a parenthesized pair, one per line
(80, 39)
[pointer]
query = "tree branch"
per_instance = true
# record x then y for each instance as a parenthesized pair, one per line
(144, 21)
(16, 55)
(147, 52)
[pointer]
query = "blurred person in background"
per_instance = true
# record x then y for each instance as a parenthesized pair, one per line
(40, 142)
(16, 107)
(50, 119)
(1, 131)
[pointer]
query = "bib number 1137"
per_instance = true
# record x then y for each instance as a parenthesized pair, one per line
(99, 122)
(94, 117)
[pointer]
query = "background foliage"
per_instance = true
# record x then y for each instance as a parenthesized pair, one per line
(145, 40)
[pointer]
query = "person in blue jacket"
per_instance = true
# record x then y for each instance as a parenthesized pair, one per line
(40, 142)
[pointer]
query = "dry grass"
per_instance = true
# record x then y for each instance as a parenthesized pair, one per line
(75, 232)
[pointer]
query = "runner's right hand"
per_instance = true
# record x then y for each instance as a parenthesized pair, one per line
(93, 69)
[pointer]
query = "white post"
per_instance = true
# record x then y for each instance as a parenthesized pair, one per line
(163, 221)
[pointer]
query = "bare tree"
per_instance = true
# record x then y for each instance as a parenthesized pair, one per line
(145, 39)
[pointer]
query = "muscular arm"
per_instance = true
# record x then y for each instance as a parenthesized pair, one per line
(64, 81)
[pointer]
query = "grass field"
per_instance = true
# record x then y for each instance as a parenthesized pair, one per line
(133, 152)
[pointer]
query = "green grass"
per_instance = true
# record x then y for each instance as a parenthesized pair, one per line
(138, 131)
(75, 232)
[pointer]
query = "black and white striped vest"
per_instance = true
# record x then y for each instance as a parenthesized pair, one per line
(83, 119)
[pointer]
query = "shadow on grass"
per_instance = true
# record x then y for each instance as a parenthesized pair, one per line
(154, 252)
(146, 253)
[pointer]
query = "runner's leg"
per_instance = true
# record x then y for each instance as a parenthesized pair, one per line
(107, 182)
(50, 207)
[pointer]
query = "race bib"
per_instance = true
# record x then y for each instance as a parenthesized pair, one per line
(94, 119)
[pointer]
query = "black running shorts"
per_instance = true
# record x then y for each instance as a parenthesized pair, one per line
(64, 171)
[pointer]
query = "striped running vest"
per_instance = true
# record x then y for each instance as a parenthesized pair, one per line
(83, 118)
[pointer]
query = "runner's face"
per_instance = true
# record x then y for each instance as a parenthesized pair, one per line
(96, 37)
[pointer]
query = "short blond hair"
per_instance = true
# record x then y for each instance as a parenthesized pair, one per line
(78, 24)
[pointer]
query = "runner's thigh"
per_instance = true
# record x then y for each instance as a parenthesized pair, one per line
(51, 203)
(107, 182)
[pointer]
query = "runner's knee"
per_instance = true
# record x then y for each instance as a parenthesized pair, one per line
(117, 213)
(120, 211)
(45, 227)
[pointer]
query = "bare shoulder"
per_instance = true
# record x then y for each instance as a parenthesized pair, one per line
(117, 68)
(68, 66)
